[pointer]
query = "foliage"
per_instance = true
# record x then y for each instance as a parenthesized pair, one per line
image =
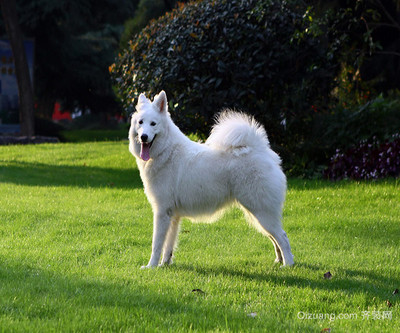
(146, 10)
(47, 127)
(378, 118)
(342, 129)
(305, 72)
(366, 161)
(381, 65)
(75, 42)
(244, 54)
(364, 36)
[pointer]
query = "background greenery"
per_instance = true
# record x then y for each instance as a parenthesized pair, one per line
(317, 74)
(76, 227)
(321, 76)
(75, 42)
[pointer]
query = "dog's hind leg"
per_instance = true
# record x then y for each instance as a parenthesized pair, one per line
(161, 225)
(282, 241)
(278, 252)
(170, 242)
(270, 225)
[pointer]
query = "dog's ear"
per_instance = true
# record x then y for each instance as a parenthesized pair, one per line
(160, 101)
(142, 98)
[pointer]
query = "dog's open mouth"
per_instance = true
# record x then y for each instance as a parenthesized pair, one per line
(145, 150)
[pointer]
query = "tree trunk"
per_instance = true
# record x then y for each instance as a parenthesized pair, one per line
(26, 116)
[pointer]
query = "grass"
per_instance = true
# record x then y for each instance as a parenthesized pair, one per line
(75, 227)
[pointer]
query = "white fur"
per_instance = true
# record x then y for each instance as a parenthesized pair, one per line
(183, 178)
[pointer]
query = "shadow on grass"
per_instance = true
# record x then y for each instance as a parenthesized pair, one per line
(74, 303)
(39, 174)
(368, 282)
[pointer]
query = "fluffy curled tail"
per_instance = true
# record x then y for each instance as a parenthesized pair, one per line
(236, 130)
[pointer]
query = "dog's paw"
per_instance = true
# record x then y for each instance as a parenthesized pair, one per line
(166, 263)
(147, 267)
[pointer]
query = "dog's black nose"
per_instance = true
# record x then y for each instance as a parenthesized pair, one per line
(144, 137)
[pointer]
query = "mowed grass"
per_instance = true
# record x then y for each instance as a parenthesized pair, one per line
(75, 227)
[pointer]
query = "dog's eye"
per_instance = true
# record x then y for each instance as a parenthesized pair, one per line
(152, 123)
(140, 122)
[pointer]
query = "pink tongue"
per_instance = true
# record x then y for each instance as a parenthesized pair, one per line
(145, 151)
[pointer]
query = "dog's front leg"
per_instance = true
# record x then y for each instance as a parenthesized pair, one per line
(170, 241)
(160, 228)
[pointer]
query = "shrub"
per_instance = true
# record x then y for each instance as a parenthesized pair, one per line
(45, 127)
(366, 161)
(378, 118)
(343, 129)
(244, 54)
(145, 11)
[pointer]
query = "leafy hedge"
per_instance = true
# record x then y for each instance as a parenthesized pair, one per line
(272, 59)
(343, 129)
(377, 119)
(367, 140)
(252, 55)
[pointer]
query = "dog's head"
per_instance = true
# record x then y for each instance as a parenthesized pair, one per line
(146, 124)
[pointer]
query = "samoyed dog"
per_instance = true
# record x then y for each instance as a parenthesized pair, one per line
(183, 178)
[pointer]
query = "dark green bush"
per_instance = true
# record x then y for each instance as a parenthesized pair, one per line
(276, 60)
(45, 127)
(342, 129)
(251, 55)
(376, 120)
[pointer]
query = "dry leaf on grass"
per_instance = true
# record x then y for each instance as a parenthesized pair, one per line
(198, 291)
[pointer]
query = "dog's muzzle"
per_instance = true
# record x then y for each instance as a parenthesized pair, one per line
(145, 147)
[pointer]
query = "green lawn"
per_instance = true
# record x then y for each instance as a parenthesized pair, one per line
(75, 228)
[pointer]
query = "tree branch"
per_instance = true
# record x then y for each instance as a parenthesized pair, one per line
(390, 17)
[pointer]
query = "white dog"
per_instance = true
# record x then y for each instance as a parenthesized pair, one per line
(183, 178)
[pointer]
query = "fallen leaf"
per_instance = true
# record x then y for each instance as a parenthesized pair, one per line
(396, 291)
(388, 303)
(198, 291)
(326, 330)
(328, 275)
